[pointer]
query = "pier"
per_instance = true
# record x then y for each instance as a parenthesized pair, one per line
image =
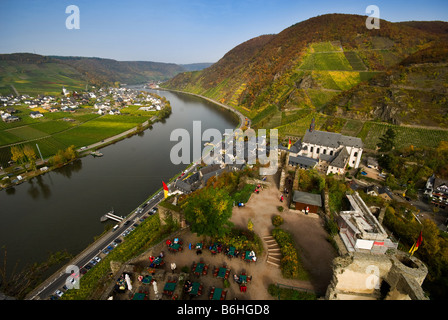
(111, 216)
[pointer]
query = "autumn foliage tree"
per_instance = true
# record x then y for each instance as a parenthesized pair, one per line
(209, 210)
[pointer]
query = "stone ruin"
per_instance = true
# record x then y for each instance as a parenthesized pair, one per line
(365, 276)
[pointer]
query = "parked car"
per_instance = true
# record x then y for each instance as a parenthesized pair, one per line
(97, 259)
(59, 293)
(153, 210)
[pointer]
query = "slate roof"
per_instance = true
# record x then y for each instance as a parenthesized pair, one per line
(310, 162)
(341, 159)
(331, 139)
(307, 198)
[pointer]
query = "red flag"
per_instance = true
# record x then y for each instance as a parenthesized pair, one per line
(165, 189)
(416, 244)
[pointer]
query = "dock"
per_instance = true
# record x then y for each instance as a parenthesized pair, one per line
(112, 216)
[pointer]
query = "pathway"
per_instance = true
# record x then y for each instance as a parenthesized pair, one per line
(315, 252)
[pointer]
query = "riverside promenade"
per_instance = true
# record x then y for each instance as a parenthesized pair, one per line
(241, 117)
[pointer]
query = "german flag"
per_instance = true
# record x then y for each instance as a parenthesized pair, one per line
(416, 244)
(289, 144)
(165, 189)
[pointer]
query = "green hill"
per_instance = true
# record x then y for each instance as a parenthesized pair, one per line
(36, 74)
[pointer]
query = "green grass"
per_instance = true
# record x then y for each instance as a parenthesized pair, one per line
(98, 129)
(299, 127)
(406, 136)
(52, 133)
(320, 97)
(52, 127)
(324, 46)
(352, 127)
(27, 133)
(45, 78)
(8, 138)
(244, 195)
(354, 60)
(326, 61)
(289, 293)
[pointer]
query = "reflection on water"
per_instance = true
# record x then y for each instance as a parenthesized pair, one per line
(69, 169)
(61, 209)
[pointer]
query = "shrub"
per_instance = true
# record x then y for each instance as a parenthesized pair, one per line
(277, 220)
(290, 265)
(290, 293)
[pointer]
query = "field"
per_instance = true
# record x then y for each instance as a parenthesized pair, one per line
(33, 79)
(405, 136)
(295, 123)
(326, 61)
(52, 132)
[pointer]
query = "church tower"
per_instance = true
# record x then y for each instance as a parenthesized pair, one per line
(312, 125)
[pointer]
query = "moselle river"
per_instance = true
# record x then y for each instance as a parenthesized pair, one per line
(62, 209)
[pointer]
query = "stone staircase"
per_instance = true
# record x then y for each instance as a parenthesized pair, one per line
(274, 254)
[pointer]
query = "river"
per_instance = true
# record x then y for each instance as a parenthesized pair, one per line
(62, 209)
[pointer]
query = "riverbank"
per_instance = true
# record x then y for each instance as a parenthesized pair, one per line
(42, 166)
(241, 118)
(62, 210)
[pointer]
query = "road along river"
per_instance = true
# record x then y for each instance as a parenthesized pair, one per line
(62, 209)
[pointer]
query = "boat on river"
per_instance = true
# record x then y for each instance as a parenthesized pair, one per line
(96, 154)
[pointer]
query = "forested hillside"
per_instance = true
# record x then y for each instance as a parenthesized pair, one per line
(312, 66)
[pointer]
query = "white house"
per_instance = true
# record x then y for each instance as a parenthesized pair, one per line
(36, 114)
(333, 149)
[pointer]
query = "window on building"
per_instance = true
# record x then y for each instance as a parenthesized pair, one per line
(356, 154)
(331, 152)
(325, 151)
(318, 150)
(311, 149)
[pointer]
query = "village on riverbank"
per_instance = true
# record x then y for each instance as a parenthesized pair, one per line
(225, 232)
(44, 132)
(305, 233)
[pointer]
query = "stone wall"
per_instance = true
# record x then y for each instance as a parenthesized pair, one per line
(365, 276)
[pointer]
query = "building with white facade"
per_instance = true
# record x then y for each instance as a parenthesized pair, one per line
(333, 152)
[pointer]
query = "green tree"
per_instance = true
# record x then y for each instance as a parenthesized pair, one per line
(30, 155)
(209, 211)
(70, 153)
(387, 141)
(17, 154)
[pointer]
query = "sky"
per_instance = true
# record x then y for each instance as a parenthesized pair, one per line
(173, 31)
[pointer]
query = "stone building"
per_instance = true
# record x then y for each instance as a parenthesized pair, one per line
(332, 152)
(365, 276)
(360, 230)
